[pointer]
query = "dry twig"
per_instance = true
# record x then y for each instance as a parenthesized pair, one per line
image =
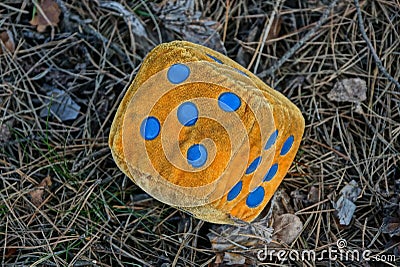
(371, 47)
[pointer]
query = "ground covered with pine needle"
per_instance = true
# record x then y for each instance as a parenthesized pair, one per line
(64, 202)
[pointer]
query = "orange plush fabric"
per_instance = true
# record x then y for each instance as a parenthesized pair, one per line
(199, 132)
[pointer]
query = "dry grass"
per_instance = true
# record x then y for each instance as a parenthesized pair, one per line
(91, 214)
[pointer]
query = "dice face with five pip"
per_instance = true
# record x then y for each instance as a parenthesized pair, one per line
(199, 132)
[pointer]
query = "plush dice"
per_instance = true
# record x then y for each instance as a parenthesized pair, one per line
(201, 133)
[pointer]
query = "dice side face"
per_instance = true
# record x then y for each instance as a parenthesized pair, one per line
(253, 133)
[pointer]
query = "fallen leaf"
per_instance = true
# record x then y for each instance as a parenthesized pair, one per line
(391, 226)
(345, 209)
(298, 195)
(182, 18)
(345, 203)
(134, 22)
(349, 90)
(37, 193)
(61, 105)
(48, 13)
(351, 191)
(6, 37)
(282, 203)
(313, 195)
(226, 238)
(286, 228)
(234, 258)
